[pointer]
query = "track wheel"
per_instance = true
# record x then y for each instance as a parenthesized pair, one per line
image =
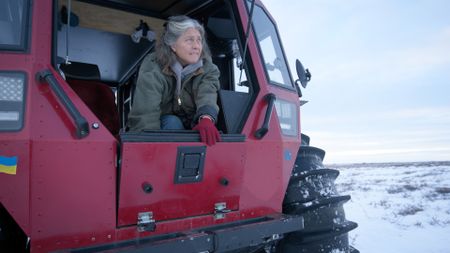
(312, 193)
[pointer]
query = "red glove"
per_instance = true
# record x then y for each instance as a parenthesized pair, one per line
(208, 131)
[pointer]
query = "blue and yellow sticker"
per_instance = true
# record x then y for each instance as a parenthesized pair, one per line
(8, 165)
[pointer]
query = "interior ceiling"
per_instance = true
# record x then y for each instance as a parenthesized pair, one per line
(161, 8)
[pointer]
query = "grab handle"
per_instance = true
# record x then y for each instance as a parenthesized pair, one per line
(81, 124)
(261, 132)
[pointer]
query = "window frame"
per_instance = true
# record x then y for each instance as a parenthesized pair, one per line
(23, 44)
(289, 86)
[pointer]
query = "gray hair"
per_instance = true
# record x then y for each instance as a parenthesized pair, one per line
(173, 29)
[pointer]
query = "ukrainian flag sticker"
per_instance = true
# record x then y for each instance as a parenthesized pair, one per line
(8, 165)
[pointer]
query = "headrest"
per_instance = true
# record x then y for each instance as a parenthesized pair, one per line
(81, 71)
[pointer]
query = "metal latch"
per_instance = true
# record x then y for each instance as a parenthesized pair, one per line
(220, 210)
(146, 222)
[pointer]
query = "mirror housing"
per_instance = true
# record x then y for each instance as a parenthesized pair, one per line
(304, 76)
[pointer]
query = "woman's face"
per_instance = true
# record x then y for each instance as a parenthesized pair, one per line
(188, 47)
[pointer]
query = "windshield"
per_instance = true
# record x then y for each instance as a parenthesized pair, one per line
(270, 46)
(13, 22)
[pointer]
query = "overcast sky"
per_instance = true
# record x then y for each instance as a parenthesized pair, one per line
(380, 88)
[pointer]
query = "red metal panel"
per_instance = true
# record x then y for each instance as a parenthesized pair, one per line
(73, 186)
(155, 163)
(73, 182)
(269, 160)
(73, 192)
(14, 189)
(267, 174)
(178, 225)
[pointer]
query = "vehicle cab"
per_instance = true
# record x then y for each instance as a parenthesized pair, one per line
(73, 176)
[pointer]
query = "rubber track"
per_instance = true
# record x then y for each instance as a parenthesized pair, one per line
(312, 193)
(302, 187)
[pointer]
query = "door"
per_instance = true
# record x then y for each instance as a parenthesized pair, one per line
(173, 175)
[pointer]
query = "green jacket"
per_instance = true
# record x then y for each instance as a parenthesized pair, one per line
(155, 95)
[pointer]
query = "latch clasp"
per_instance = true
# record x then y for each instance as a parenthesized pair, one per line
(220, 210)
(146, 222)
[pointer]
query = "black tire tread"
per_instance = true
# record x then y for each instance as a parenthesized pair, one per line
(312, 193)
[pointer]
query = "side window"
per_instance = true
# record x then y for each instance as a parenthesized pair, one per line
(14, 16)
(273, 64)
(272, 54)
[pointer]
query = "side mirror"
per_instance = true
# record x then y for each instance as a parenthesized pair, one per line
(304, 76)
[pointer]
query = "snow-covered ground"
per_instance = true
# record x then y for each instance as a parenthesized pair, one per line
(399, 207)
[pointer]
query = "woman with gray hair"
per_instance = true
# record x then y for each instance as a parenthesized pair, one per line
(178, 83)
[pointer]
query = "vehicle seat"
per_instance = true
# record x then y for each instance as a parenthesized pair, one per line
(98, 96)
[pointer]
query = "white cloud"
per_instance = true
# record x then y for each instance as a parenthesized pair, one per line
(400, 64)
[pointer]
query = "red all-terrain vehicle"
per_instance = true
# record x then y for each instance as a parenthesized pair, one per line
(73, 179)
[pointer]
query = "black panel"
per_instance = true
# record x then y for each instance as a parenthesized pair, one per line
(190, 164)
(233, 106)
(96, 47)
(222, 28)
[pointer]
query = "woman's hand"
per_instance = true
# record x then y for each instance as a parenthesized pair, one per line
(208, 131)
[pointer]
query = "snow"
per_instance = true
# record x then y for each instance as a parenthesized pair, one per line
(399, 207)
